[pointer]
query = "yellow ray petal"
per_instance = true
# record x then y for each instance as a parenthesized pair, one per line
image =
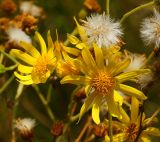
(23, 56)
(81, 31)
(144, 138)
(72, 51)
(42, 43)
(134, 109)
(29, 82)
(81, 45)
(84, 69)
(30, 49)
(96, 109)
(128, 90)
(121, 66)
(75, 79)
(87, 89)
(24, 69)
(125, 118)
(88, 59)
(130, 75)
(113, 108)
(118, 98)
(86, 105)
(72, 39)
(98, 56)
(152, 131)
(22, 77)
(49, 39)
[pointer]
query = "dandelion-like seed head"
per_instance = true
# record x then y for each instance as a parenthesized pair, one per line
(150, 30)
(102, 30)
(103, 82)
(25, 127)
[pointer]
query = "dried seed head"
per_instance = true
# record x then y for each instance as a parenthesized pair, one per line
(25, 127)
(8, 6)
(92, 5)
(100, 130)
(57, 128)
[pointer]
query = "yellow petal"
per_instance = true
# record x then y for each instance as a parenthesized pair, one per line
(72, 51)
(24, 69)
(113, 108)
(81, 31)
(22, 77)
(118, 98)
(152, 131)
(72, 39)
(49, 39)
(125, 118)
(23, 56)
(88, 102)
(75, 79)
(96, 109)
(28, 82)
(121, 66)
(98, 56)
(144, 138)
(30, 49)
(87, 89)
(81, 45)
(134, 109)
(128, 90)
(130, 75)
(88, 58)
(42, 43)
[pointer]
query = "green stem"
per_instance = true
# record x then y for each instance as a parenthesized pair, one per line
(6, 84)
(11, 67)
(110, 127)
(107, 6)
(44, 102)
(9, 56)
(151, 55)
(135, 10)
(49, 93)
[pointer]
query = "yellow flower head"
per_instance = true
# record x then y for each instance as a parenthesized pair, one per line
(130, 126)
(102, 77)
(36, 67)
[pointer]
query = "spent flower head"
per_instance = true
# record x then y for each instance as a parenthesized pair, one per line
(102, 30)
(25, 127)
(150, 30)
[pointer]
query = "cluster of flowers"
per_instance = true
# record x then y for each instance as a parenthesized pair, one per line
(94, 61)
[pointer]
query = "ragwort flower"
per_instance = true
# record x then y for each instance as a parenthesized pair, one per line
(102, 77)
(130, 126)
(36, 66)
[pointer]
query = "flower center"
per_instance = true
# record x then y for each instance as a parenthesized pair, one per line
(41, 68)
(103, 82)
(132, 131)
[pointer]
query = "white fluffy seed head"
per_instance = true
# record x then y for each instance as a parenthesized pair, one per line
(137, 61)
(17, 35)
(150, 30)
(102, 30)
(144, 79)
(25, 124)
(30, 8)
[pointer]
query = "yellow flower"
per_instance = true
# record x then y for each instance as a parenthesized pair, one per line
(102, 78)
(130, 126)
(36, 67)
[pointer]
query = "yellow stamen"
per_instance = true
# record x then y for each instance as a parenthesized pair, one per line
(103, 82)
